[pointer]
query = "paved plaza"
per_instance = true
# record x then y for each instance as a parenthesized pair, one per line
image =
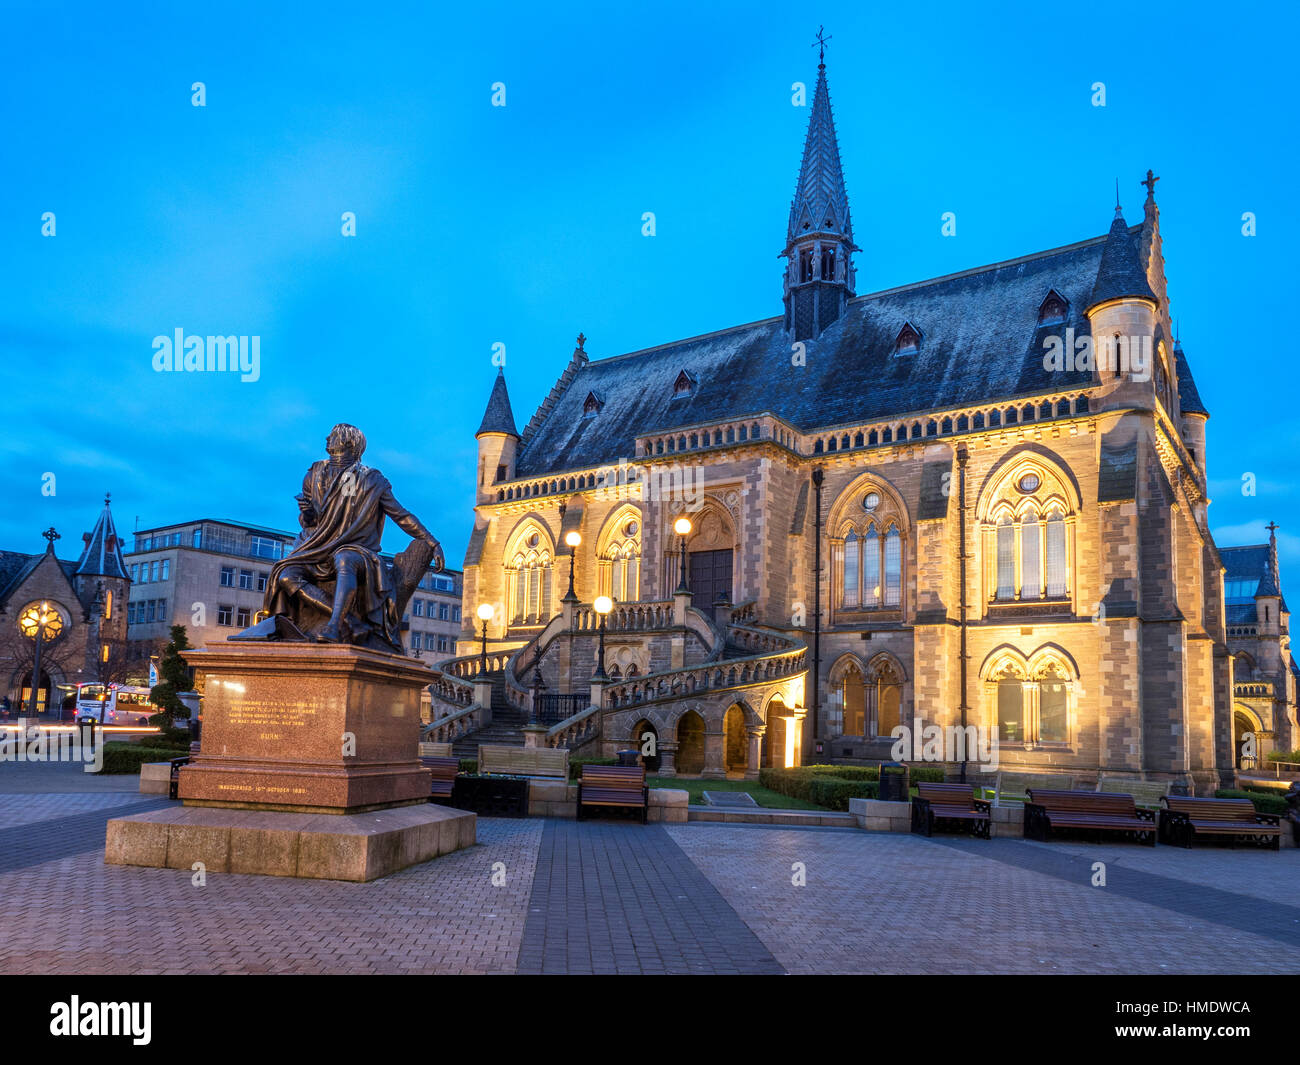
(555, 896)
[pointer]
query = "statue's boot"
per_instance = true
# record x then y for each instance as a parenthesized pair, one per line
(345, 593)
(309, 593)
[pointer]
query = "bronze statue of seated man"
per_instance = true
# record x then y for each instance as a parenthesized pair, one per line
(333, 585)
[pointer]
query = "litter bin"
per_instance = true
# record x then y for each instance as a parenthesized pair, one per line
(894, 782)
(631, 757)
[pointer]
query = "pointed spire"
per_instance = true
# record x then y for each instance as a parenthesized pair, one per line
(1120, 274)
(821, 203)
(498, 418)
(1189, 396)
(102, 556)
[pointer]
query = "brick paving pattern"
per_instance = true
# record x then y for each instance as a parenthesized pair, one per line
(881, 902)
(611, 897)
(623, 898)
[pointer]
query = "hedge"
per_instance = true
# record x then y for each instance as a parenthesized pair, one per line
(576, 764)
(1264, 803)
(468, 765)
(129, 757)
(1284, 756)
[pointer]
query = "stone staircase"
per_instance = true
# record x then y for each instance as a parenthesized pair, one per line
(505, 729)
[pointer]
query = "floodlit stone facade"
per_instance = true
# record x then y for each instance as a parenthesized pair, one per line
(830, 461)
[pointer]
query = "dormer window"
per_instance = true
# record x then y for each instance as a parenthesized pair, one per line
(684, 385)
(909, 340)
(1053, 308)
(591, 406)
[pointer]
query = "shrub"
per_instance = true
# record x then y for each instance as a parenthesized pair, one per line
(1272, 803)
(129, 757)
(469, 765)
(835, 794)
(1284, 756)
(576, 764)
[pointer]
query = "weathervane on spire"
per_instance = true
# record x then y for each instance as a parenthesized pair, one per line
(820, 45)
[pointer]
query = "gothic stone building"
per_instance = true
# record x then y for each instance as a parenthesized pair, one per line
(1259, 639)
(832, 461)
(89, 597)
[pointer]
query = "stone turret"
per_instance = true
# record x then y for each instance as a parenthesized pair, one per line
(498, 440)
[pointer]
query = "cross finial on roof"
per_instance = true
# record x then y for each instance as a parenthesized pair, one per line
(108, 496)
(1272, 528)
(820, 45)
(51, 535)
(582, 339)
(1150, 183)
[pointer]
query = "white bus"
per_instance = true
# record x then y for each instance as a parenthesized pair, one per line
(113, 704)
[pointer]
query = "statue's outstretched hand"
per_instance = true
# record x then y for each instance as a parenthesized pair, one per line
(438, 562)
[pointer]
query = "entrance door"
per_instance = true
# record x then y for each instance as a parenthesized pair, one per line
(710, 577)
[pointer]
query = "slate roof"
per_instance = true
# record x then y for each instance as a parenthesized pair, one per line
(1250, 563)
(1189, 397)
(103, 554)
(1120, 273)
(498, 418)
(16, 566)
(982, 342)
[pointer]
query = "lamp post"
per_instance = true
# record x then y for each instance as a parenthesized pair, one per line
(484, 615)
(682, 527)
(603, 604)
(39, 622)
(572, 539)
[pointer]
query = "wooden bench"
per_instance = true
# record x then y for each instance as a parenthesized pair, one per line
(550, 763)
(1144, 792)
(1087, 811)
(954, 803)
(1184, 820)
(614, 785)
(444, 775)
(1016, 786)
(435, 750)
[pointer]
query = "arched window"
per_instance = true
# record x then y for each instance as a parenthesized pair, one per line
(852, 570)
(1006, 548)
(893, 567)
(1056, 582)
(1027, 535)
(1030, 701)
(528, 579)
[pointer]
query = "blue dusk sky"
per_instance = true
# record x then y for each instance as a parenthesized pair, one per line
(521, 225)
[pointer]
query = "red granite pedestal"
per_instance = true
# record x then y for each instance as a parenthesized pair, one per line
(308, 767)
(307, 728)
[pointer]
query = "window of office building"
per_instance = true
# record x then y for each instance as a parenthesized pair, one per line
(227, 576)
(225, 614)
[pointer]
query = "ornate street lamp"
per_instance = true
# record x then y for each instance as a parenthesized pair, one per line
(682, 527)
(484, 615)
(40, 622)
(573, 539)
(603, 604)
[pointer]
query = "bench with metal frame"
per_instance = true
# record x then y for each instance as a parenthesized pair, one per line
(614, 786)
(951, 805)
(1090, 812)
(1185, 820)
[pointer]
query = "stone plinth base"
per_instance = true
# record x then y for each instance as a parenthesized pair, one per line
(307, 728)
(357, 847)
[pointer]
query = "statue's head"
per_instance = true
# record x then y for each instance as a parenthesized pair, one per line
(346, 443)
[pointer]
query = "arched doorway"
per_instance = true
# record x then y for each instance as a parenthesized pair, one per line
(690, 744)
(774, 738)
(854, 700)
(44, 693)
(1245, 739)
(645, 738)
(734, 746)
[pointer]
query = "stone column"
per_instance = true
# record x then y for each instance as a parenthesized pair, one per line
(755, 755)
(666, 767)
(483, 696)
(714, 756)
(681, 600)
(796, 723)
